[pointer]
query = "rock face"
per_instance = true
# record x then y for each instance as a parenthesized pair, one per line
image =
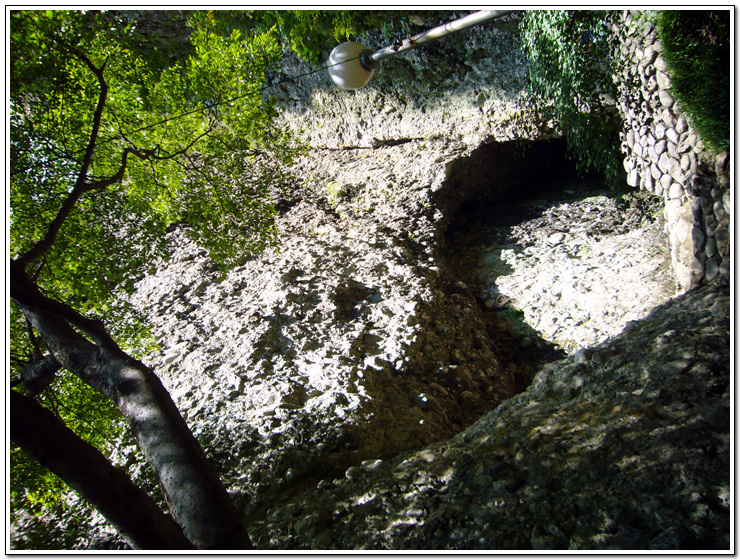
(621, 446)
(353, 386)
(467, 87)
(581, 262)
(349, 343)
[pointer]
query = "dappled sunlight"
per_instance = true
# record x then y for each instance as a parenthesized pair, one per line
(615, 466)
(438, 312)
(570, 263)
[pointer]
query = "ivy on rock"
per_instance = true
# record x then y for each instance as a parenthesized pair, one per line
(571, 72)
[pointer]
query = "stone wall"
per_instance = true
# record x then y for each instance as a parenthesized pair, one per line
(665, 155)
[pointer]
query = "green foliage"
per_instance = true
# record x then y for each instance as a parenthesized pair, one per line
(335, 193)
(210, 164)
(697, 49)
(202, 150)
(312, 34)
(571, 77)
(160, 38)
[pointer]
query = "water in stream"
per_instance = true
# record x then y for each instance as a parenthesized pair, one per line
(571, 265)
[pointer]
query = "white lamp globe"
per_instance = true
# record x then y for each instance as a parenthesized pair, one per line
(350, 74)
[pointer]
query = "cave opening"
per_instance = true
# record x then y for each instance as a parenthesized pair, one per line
(555, 260)
(502, 172)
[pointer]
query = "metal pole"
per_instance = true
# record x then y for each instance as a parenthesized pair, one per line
(370, 59)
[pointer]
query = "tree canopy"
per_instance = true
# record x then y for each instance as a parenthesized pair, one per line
(121, 125)
(157, 145)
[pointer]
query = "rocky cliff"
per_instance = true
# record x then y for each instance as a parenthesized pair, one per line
(446, 350)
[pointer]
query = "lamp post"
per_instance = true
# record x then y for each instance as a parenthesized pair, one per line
(351, 65)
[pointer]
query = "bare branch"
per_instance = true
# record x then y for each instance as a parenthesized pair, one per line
(97, 117)
(250, 151)
(42, 246)
(113, 180)
(181, 151)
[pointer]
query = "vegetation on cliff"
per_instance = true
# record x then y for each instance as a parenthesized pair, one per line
(571, 73)
(573, 64)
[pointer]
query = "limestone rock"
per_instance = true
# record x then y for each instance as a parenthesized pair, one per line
(630, 452)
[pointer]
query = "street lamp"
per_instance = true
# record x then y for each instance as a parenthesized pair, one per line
(351, 65)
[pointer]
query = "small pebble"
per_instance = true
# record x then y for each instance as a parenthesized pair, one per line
(353, 472)
(371, 465)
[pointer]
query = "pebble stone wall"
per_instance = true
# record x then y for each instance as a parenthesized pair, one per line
(665, 156)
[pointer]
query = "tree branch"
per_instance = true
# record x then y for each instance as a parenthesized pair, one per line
(26, 293)
(97, 117)
(38, 375)
(250, 151)
(82, 182)
(42, 436)
(81, 185)
(197, 498)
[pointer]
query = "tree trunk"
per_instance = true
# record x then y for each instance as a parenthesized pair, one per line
(138, 518)
(197, 499)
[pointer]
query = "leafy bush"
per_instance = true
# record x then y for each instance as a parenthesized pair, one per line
(697, 49)
(571, 73)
